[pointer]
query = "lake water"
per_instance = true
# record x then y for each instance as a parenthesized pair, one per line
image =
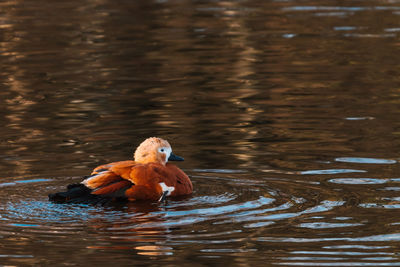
(286, 111)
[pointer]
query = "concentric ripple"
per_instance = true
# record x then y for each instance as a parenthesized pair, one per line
(229, 208)
(224, 202)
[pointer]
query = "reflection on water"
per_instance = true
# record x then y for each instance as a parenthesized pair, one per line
(366, 160)
(286, 113)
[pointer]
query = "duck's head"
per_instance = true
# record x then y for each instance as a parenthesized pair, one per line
(155, 150)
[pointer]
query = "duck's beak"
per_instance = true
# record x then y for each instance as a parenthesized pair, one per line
(174, 157)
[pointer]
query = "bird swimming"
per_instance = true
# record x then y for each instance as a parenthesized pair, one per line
(149, 176)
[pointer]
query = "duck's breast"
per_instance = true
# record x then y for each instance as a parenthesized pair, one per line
(179, 179)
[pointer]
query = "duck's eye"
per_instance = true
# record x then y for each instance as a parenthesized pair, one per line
(162, 149)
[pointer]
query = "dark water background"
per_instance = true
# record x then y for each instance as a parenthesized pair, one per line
(287, 113)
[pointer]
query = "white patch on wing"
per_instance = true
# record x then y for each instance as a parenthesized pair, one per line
(166, 188)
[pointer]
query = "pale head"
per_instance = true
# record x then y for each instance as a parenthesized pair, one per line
(155, 150)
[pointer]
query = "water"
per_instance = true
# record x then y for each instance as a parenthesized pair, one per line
(287, 114)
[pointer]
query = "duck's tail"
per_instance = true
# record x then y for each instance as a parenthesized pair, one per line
(77, 193)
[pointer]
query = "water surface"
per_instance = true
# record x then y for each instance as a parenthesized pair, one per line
(287, 114)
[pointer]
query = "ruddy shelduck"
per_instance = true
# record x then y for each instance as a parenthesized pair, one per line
(149, 176)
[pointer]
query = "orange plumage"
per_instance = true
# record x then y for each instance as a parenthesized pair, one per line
(148, 177)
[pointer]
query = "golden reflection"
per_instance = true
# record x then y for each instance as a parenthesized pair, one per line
(133, 229)
(153, 250)
(242, 71)
(18, 107)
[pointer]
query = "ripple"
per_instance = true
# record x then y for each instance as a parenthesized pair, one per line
(43, 211)
(344, 28)
(366, 160)
(289, 35)
(15, 256)
(369, 35)
(33, 215)
(228, 250)
(349, 263)
(358, 181)
(325, 225)
(357, 247)
(392, 30)
(204, 200)
(391, 188)
(339, 8)
(380, 206)
(322, 8)
(249, 215)
(213, 217)
(219, 171)
(325, 205)
(359, 118)
(262, 217)
(261, 201)
(371, 238)
(13, 183)
(24, 225)
(330, 171)
(258, 224)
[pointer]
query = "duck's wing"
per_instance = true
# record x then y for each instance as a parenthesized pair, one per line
(126, 179)
(111, 180)
(114, 165)
(107, 182)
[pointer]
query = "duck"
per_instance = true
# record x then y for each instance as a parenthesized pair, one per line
(149, 177)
